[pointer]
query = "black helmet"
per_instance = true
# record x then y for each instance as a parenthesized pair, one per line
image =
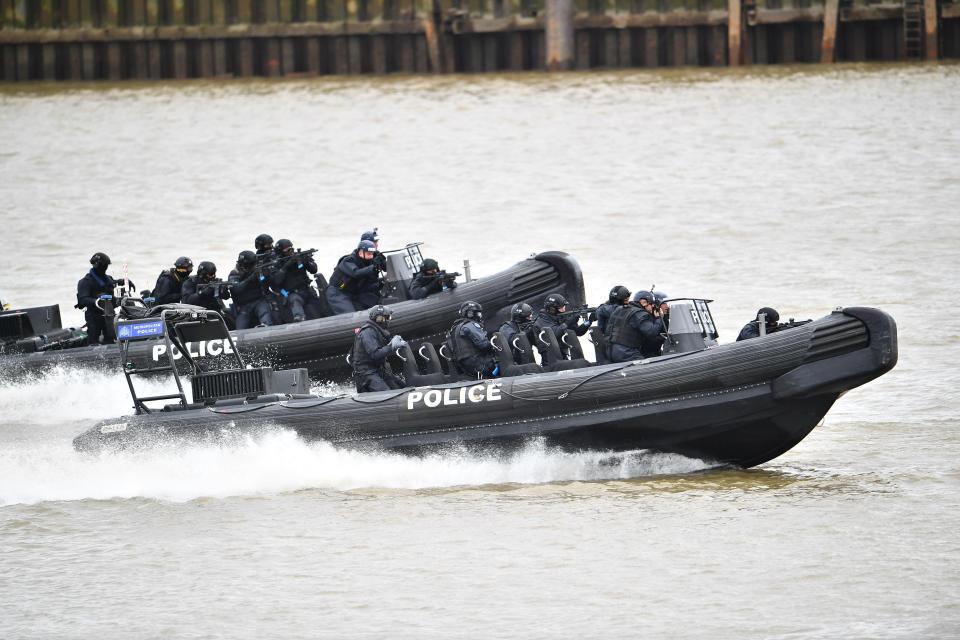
(471, 310)
(246, 260)
(183, 263)
(660, 296)
(521, 313)
(553, 302)
(367, 245)
(264, 242)
(429, 264)
(206, 270)
(772, 316)
(619, 294)
(644, 295)
(380, 315)
(371, 236)
(100, 260)
(282, 245)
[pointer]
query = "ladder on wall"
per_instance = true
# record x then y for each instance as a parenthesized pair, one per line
(913, 29)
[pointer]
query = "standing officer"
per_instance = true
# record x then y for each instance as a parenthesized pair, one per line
(635, 330)
(250, 307)
(521, 321)
(170, 282)
(553, 317)
(201, 289)
(429, 280)
(290, 280)
(471, 347)
(372, 345)
(355, 281)
(95, 296)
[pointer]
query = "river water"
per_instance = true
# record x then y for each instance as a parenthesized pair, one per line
(799, 188)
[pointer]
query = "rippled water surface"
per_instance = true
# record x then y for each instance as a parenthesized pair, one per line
(799, 188)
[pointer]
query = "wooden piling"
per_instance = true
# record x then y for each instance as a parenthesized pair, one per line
(735, 32)
(831, 15)
(560, 54)
(931, 31)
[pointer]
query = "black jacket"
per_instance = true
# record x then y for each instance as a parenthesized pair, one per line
(559, 326)
(91, 287)
(510, 330)
(203, 294)
(371, 347)
(354, 275)
(291, 274)
(634, 328)
(471, 346)
(168, 287)
(423, 285)
(604, 312)
(245, 286)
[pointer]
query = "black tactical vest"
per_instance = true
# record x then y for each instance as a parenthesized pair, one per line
(621, 331)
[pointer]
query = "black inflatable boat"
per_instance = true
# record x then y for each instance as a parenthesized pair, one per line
(738, 404)
(320, 345)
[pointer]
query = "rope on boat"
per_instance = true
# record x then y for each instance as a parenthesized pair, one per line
(566, 393)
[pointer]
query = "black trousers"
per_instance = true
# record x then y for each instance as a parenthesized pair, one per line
(97, 326)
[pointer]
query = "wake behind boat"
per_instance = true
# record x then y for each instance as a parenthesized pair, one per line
(738, 404)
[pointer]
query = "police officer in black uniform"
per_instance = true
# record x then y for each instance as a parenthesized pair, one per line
(428, 280)
(372, 345)
(290, 280)
(550, 318)
(521, 322)
(471, 346)
(635, 330)
(619, 297)
(200, 289)
(170, 282)
(250, 306)
(94, 293)
(752, 328)
(355, 281)
(263, 244)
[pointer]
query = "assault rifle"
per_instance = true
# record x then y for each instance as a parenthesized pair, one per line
(297, 255)
(789, 325)
(445, 276)
(219, 288)
(583, 311)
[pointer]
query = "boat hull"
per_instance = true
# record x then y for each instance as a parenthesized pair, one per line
(739, 404)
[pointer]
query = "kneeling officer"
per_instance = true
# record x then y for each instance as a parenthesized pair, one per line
(471, 347)
(291, 281)
(372, 346)
(250, 306)
(430, 279)
(170, 282)
(355, 281)
(204, 290)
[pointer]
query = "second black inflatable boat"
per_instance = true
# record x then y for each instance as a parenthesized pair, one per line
(320, 345)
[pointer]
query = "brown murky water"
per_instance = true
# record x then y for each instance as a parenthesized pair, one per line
(798, 188)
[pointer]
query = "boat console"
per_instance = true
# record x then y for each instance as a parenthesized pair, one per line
(190, 333)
